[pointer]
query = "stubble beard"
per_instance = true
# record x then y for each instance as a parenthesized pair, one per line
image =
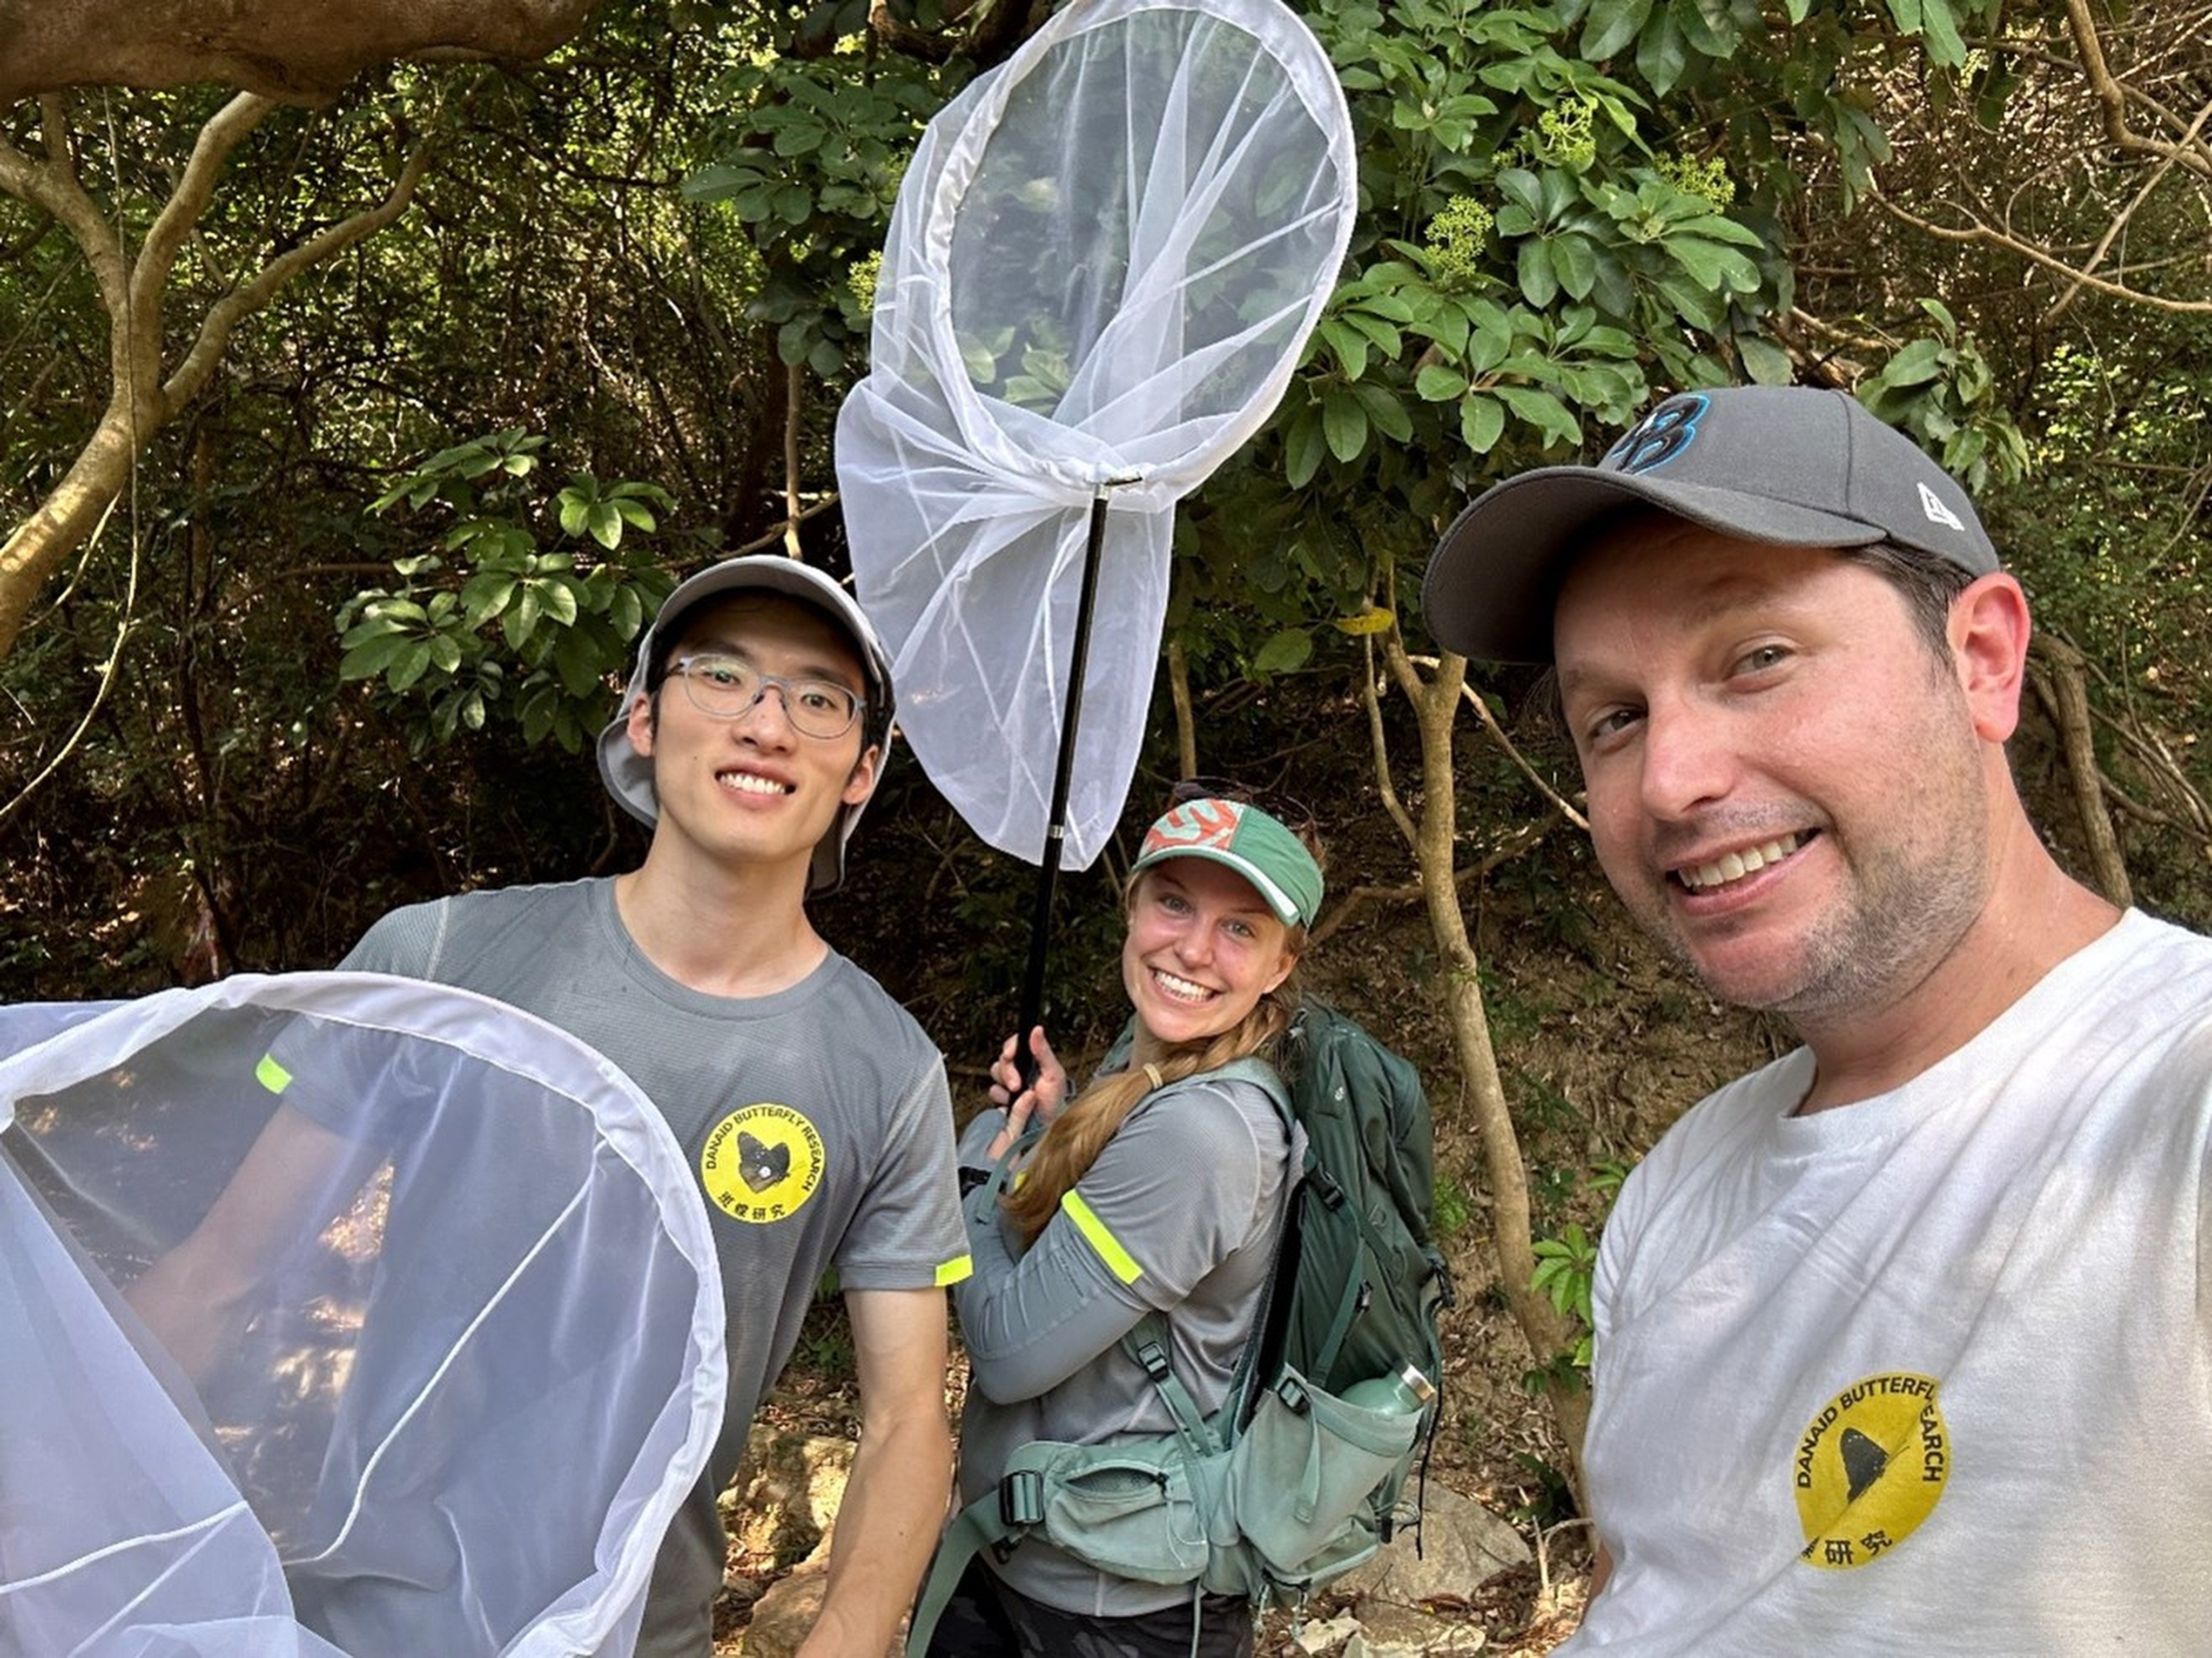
(1903, 909)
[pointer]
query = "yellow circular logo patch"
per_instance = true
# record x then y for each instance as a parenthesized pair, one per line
(761, 1164)
(1869, 1469)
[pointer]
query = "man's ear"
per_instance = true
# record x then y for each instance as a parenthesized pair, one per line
(1989, 632)
(641, 724)
(862, 783)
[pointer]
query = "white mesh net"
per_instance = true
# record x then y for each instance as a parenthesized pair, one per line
(1104, 263)
(338, 1313)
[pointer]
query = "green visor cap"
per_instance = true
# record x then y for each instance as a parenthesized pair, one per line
(1249, 841)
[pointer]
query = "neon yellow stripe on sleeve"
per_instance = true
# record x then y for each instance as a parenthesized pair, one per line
(273, 1076)
(953, 1270)
(1118, 1261)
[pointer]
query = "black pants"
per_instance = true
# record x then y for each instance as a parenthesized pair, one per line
(985, 1619)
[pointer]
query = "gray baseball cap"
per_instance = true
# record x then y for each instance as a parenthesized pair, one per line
(1791, 465)
(629, 775)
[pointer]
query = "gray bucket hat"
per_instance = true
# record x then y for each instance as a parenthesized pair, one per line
(1791, 465)
(629, 775)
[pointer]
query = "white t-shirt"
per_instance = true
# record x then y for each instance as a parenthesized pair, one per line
(1925, 1373)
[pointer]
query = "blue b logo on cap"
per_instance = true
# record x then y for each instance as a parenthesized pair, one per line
(1660, 436)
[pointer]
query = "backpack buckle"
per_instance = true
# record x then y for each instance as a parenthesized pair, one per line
(1021, 1498)
(1292, 1393)
(1154, 1358)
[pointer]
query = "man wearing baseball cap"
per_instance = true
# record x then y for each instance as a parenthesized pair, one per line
(1900, 1340)
(810, 1108)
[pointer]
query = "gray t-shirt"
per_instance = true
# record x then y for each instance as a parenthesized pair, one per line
(816, 1121)
(1180, 1214)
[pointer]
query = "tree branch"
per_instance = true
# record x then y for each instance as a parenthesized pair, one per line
(223, 132)
(2111, 96)
(1379, 745)
(1978, 232)
(226, 313)
(52, 185)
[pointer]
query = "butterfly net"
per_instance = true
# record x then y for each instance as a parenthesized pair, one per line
(338, 1313)
(1103, 262)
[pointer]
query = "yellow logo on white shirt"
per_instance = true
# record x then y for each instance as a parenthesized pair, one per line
(1869, 1467)
(761, 1164)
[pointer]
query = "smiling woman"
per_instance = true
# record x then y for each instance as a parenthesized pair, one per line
(1157, 1192)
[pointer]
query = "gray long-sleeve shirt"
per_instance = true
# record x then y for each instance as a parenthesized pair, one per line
(1181, 1215)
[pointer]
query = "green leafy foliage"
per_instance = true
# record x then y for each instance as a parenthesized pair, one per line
(494, 622)
(1564, 213)
(1566, 1266)
(809, 160)
(1940, 388)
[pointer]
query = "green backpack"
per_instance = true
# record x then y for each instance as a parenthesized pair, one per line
(1289, 1484)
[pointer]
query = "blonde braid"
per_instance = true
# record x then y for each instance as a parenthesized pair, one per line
(1080, 1131)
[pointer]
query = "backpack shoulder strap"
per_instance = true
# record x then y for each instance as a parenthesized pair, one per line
(1147, 1344)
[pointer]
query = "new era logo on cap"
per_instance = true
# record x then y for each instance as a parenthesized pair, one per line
(1932, 504)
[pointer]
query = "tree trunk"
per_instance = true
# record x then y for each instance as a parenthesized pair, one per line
(1436, 705)
(66, 519)
(2065, 688)
(279, 48)
(141, 401)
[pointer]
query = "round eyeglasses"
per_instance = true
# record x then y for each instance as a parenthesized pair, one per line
(726, 688)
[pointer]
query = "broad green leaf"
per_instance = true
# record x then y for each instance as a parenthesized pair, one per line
(1662, 54)
(1712, 267)
(372, 656)
(1437, 384)
(1349, 345)
(1540, 410)
(1344, 423)
(717, 182)
(1285, 651)
(1702, 25)
(1304, 446)
(578, 664)
(1385, 413)
(409, 665)
(1493, 339)
(800, 138)
(1391, 307)
(1519, 185)
(1944, 319)
(558, 599)
(1718, 228)
(1540, 285)
(1481, 423)
(520, 619)
(1920, 362)
(1767, 363)
(484, 595)
(1385, 336)
(1611, 24)
(1576, 264)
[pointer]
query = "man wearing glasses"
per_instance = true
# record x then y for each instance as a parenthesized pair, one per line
(810, 1106)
